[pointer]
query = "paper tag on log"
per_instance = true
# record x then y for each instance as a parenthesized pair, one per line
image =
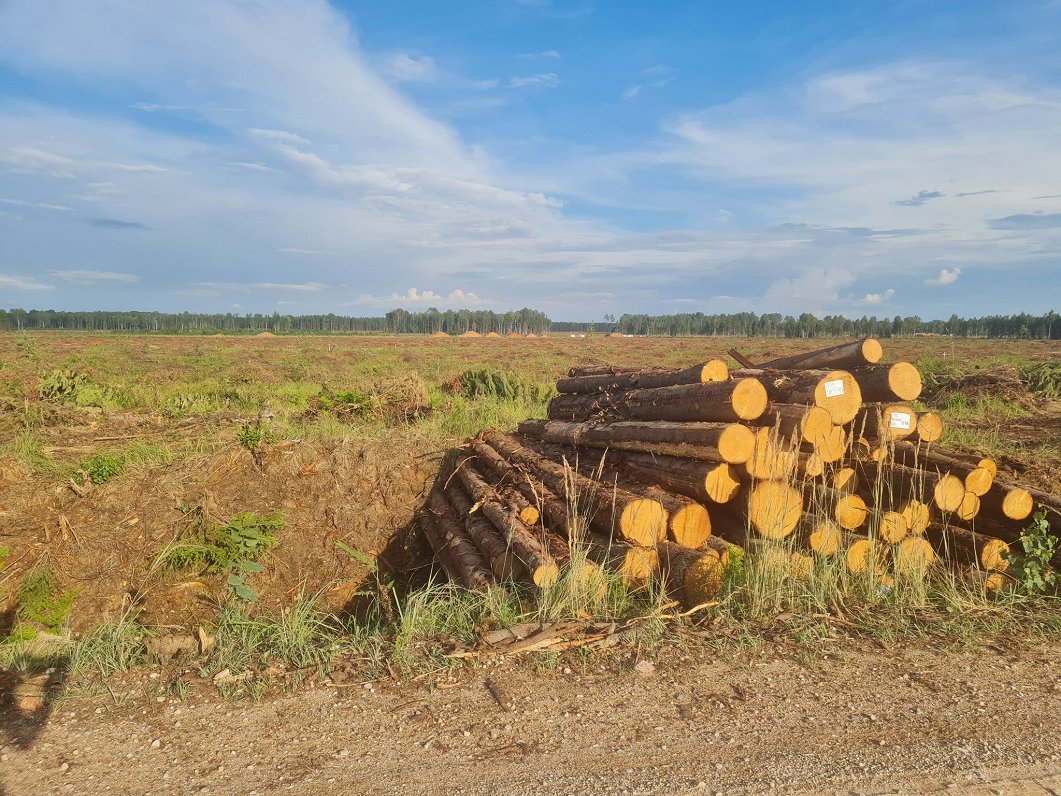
(900, 420)
(834, 388)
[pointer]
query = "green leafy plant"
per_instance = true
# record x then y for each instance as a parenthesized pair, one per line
(102, 467)
(350, 403)
(40, 603)
(250, 436)
(76, 388)
(1031, 571)
(489, 383)
(234, 547)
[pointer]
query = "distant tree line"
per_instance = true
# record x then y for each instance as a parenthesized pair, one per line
(524, 321)
(395, 321)
(750, 324)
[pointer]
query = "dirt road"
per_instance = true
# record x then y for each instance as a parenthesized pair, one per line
(982, 720)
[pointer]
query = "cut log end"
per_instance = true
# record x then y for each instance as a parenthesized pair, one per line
(1018, 504)
(832, 446)
(860, 555)
(643, 522)
(990, 465)
(929, 427)
(714, 370)
(913, 556)
(530, 515)
(722, 484)
(773, 459)
(703, 578)
(850, 512)
(639, 565)
(825, 539)
(845, 480)
(978, 480)
(839, 394)
(872, 350)
(690, 525)
(948, 493)
(736, 444)
(545, 575)
(918, 515)
(905, 381)
(774, 509)
(993, 555)
(969, 507)
(893, 527)
(749, 399)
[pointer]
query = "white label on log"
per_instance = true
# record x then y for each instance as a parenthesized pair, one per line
(900, 420)
(834, 388)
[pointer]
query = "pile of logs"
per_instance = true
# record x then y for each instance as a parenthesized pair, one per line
(664, 475)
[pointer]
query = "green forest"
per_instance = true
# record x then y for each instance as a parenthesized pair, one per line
(524, 321)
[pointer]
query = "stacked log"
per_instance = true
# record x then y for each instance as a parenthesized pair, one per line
(654, 474)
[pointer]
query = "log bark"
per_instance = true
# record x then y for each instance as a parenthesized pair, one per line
(503, 562)
(639, 520)
(699, 480)
(520, 537)
(696, 575)
(974, 472)
(835, 391)
(448, 532)
(553, 509)
(967, 547)
(885, 422)
(900, 381)
(725, 401)
(712, 370)
(717, 442)
(866, 351)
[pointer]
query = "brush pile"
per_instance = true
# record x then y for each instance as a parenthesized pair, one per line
(670, 474)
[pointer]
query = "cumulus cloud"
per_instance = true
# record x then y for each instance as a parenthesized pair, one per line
(89, 278)
(878, 298)
(946, 277)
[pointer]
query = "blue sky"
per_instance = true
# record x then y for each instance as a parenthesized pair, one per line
(578, 157)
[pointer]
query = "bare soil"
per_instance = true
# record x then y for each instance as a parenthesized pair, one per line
(982, 719)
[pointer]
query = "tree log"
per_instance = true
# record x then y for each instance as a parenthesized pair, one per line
(554, 510)
(773, 458)
(1007, 502)
(866, 351)
(710, 481)
(718, 442)
(725, 401)
(835, 391)
(712, 370)
(929, 427)
(639, 520)
(635, 565)
(521, 538)
(917, 514)
(913, 556)
(446, 532)
(503, 562)
(885, 422)
(774, 509)
(900, 381)
(810, 424)
(697, 575)
(892, 526)
(966, 547)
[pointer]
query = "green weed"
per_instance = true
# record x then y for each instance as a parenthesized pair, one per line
(102, 467)
(1031, 572)
(40, 603)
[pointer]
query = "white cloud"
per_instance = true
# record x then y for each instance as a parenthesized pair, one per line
(878, 298)
(22, 283)
(544, 80)
(946, 277)
(36, 205)
(88, 278)
(406, 67)
(414, 296)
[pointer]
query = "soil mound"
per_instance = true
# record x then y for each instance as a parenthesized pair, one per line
(265, 334)
(471, 334)
(440, 334)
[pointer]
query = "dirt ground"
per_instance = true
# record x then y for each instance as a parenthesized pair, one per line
(984, 720)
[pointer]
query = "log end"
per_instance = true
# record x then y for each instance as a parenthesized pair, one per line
(749, 399)
(978, 480)
(690, 525)
(703, 578)
(736, 443)
(914, 555)
(893, 527)
(714, 370)
(918, 515)
(774, 509)
(545, 575)
(929, 427)
(859, 556)
(825, 538)
(969, 507)
(948, 493)
(845, 480)
(990, 465)
(639, 565)
(993, 555)
(872, 350)
(643, 522)
(839, 394)
(816, 424)
(1018, 504)
(850, 512)
(905, 381)
(722, 484)
(832, 446)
